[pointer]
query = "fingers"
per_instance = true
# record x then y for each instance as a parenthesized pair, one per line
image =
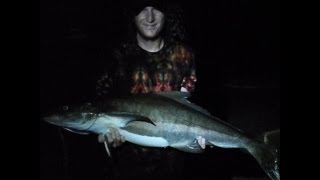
(118, 138)
(112, 137)
(115, 137)
(101, 138)
(122, 139)
(109, 137)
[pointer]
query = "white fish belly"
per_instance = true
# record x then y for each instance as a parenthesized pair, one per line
(144, 140)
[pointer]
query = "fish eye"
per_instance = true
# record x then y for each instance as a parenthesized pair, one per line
(65, 108)
(89, 115)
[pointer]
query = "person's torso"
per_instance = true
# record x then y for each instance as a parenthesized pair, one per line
(156, 71)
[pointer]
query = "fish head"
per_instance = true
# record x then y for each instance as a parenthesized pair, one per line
(78, 117)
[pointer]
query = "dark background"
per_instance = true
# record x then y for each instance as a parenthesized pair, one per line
(237, 44)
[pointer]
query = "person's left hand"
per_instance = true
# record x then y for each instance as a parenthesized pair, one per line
(112, 137)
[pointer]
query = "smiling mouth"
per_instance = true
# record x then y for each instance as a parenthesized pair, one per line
(150, 25)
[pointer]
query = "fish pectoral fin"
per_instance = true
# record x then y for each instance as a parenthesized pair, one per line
(126, 118)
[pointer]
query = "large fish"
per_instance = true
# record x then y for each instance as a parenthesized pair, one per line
(165, 119)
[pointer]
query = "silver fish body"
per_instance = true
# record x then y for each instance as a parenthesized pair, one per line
(162, 120)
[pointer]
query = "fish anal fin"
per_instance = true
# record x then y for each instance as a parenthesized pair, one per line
(195, 146)
(201, 142)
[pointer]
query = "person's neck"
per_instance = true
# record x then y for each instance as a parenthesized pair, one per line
(150, 45)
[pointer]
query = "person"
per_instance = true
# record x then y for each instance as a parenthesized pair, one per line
(154, 59)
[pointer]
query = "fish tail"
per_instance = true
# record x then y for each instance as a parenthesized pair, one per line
(268, 157)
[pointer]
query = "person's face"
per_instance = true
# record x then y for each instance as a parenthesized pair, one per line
(149, 22)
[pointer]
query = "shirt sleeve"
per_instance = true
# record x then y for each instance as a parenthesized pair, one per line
(190, 79)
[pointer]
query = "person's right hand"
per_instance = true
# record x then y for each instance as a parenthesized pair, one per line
(112, 137)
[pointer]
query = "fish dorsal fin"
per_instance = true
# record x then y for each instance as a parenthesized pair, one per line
(181, 97)
(174, 94)
(124, 118)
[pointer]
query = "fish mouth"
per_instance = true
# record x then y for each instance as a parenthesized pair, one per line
(68, 122)
(53, 119)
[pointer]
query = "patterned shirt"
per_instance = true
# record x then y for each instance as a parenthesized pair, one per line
(139, 71)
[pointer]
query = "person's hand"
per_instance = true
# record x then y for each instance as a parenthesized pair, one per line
(112, 137)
